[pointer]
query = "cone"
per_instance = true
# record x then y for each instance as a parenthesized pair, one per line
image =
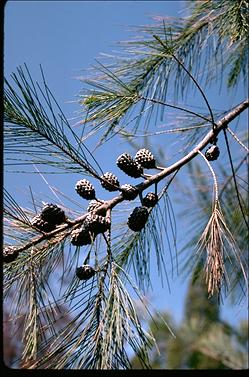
(145, 158)
(138, 218)
(110, 182)
(81, 237)
(10, 254)
(212, 153)
(85, 272)
(85, 189)
(42, 225)
(129, 166)
(53, 214)
(129, 192)
(93, 205)
(150, 200)
(97, 224)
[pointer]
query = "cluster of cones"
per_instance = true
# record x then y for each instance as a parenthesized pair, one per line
(52, 215)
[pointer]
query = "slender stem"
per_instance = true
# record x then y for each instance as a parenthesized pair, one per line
(216, 191)
(221, 124)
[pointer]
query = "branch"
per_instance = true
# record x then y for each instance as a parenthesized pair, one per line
(34, 129)
(220, 125)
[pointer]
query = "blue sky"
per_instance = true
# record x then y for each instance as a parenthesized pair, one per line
(65, 37)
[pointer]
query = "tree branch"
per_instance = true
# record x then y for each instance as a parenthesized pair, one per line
(220, 125)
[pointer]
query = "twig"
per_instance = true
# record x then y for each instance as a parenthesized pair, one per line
(216, 191)
(221, 125)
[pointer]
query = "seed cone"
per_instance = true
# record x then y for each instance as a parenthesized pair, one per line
(129, 166)
(110, 183)
(42, 225)
(10, 254)
(145, 158)
(97, 224)
(212, 153)
(129, 192)
(85, 272)
(53, 214)
(81, 237)
(85, 189)
(150, 200)
(138, 218)
(94, 204)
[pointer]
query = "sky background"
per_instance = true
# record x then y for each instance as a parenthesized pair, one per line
(65, 38)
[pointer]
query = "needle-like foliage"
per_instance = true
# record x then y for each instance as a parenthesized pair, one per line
(210, 43)
(73, 321)
(223, 236)
(36, 134)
